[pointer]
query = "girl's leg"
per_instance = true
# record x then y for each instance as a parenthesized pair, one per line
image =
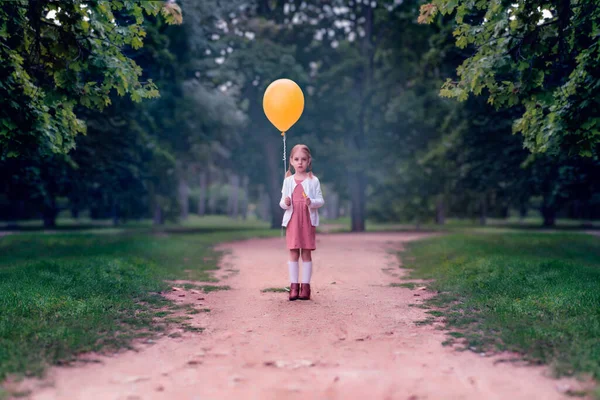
(306, 265)
(306, 255)
(293, 265)
(294, 272)
(294, 254)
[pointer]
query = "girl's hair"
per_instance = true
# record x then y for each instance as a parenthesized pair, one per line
(296, 148)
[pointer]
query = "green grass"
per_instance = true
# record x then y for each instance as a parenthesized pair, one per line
(408, 285)
(464, 225)
(213, 288)
(63, 294)
(535, 294)
(194, 223)
(276, 290)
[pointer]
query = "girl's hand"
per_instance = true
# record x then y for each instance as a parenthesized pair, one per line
(288, 201)
(308, 201)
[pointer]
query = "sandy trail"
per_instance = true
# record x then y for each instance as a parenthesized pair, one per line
(355, 339)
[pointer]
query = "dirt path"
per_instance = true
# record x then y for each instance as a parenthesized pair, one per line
(356, 339)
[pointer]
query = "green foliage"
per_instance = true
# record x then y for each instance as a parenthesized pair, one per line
(545, 62)
(413, 172)
(58, 56)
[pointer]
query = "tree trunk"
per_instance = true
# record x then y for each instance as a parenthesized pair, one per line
(333, 205)
(358, 144)
(440, 211)
(549, 214)
(50, 212)
(274, 179)
(212, 200)
(357, 185)
(212, 196)
(244, 208)
(183, 191)
(336, 205)
(548, 210)
(158, 215)
(115, 213)
(523, 209)
(483, 210)
(203, 191)
(264, 205)
(234, 190)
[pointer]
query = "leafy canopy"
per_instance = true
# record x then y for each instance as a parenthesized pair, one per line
(56, 56)
(543, 56)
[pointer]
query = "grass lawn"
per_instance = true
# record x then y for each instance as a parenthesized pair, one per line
(465, 225)
(63, 294)
(536, 294)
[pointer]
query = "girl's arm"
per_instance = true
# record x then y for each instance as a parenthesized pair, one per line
(282, 201)
(318, 201)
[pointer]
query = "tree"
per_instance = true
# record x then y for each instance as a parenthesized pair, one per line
(58, 55)
(349, 55)
(541, 55)
(256, 48)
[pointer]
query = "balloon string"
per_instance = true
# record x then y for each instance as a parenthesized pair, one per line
(284, 153)
(284, 170)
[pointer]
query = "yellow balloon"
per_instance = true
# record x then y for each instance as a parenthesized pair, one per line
(283, 103)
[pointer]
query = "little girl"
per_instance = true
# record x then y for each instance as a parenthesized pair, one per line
(300, 198)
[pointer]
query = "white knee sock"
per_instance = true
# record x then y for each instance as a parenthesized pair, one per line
(306, 271)
(294, 271)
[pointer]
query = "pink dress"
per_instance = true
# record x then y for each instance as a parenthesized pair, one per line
(300, 233)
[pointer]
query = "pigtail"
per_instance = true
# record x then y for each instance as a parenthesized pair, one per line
(288, 173)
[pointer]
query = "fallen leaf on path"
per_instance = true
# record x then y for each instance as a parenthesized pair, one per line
(132, 379)
(176, 289)
(422, 288)
(303, 363)
(272, 364)
(287, 364)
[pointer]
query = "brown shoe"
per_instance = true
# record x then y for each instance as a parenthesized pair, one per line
(294, 289)
(304, 291)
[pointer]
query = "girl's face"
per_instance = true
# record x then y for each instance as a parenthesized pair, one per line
(300, 161)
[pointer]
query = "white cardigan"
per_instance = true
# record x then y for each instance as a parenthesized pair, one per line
(312, 188)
